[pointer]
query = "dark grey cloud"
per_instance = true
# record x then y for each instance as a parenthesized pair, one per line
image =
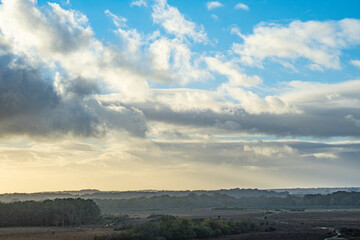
(78, 86)
(314, 121)
(30, 105)
(23, 89)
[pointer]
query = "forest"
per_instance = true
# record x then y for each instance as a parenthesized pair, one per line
(58, 212)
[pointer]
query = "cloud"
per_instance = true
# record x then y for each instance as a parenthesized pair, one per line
(325, 155)
(327, 96)
(352, 119)
(162, 164)
(139, 3)
(213, 16)
(131, 39)
(23, 91)
(173, 61)
(59, 39)
(319, 42)
(118, 21)
(242, 7)
(64, 38)
(356, 63)
(213, 5)
(268, 150)
(278, 160)
(316, 67)
(236, 30)
(175, 23)
(299, 110)
(254, 104)
(41, 99)
(232, 71)
(31, 105)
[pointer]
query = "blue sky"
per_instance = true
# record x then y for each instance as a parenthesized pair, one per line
(219, 30)
(126, 95)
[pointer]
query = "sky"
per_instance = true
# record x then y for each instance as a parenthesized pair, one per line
(176, 95)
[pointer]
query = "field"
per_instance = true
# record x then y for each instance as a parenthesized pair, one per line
(271, 224)
(58, 233)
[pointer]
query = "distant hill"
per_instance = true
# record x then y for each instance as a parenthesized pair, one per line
(323, 191)
(119, 195)
(116, 202)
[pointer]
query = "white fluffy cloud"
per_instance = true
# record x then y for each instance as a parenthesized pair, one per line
(319, 42)
(171, 58)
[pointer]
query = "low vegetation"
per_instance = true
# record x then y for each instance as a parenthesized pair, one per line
(274, 222)
(172, 228)
(350, 232)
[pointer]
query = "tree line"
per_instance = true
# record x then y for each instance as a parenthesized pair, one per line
(58, 212)
(337, 199)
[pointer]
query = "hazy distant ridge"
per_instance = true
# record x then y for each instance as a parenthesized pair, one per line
(236, 193)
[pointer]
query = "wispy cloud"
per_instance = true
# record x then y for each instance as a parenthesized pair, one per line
(356, 63)
(215, 17)
(213, 5)
(175, 23)
(232, 71)
(118, 21)
(242, 7)
(139, 3)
